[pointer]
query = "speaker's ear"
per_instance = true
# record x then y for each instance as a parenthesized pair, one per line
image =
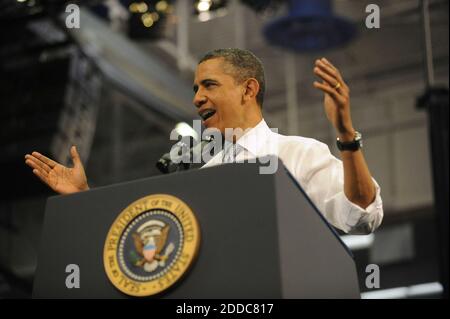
(251, 89)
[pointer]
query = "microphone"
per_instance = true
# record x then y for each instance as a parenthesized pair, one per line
(180, 159)
(182, 156)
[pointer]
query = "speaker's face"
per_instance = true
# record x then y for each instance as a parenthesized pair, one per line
(218, 97)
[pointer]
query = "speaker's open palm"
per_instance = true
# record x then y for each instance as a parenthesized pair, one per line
(61, 179)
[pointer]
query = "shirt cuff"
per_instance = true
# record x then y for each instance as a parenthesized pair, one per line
(364, 221)
(351, 218)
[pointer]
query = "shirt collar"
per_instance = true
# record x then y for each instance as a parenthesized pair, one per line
(255, 138)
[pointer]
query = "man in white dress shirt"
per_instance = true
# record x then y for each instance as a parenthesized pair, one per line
(229, 90)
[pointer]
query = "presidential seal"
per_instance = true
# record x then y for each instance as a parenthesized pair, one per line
(150, 245)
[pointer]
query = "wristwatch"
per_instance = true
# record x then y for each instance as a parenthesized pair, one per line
(354, 145)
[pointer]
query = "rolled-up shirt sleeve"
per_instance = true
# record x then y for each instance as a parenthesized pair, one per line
(322, 177)
(355, 219)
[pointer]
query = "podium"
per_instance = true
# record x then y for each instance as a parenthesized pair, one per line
(261, 237)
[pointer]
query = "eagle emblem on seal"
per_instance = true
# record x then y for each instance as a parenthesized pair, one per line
(151, 250)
